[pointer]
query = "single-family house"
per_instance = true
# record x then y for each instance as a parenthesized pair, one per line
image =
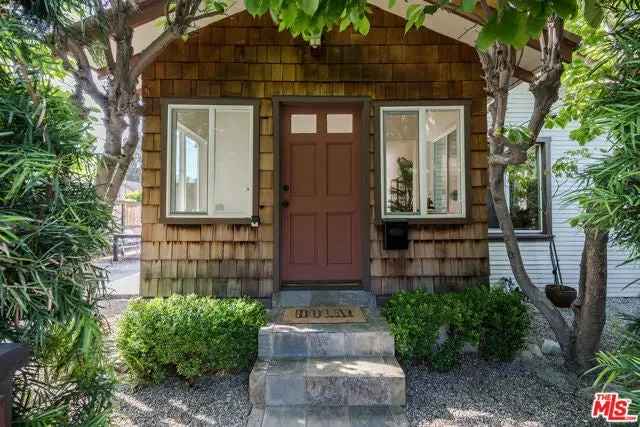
(315, 176)
(361, 162)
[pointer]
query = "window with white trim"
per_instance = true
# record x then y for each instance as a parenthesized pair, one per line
(525, 188)
(422, 156)
(209, 161)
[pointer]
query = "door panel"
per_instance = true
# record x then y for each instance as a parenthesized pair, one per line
(320, 195)
(339, 161)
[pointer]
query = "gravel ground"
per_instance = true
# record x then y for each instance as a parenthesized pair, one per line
(616, 307)
(493, 394)
(213, 401)
(537, 393)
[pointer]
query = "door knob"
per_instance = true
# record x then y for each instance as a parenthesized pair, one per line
(285, 187)
(285, 204)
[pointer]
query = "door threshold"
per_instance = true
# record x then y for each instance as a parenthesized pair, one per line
(315, 286)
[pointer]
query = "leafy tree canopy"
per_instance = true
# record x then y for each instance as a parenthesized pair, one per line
(602, 95)
(514, 22)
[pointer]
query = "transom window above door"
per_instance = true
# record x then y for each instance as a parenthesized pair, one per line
(422, 154)
(209, 167)
(332, 123)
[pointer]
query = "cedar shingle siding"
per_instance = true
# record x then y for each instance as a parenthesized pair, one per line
(245, 57)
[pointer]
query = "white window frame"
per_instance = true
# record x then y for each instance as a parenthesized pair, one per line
(423, 164)
(211, 212)
(541, 176)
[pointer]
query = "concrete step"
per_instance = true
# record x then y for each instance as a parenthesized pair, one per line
(286, 341)
(307, 298)
(366, 381)
(329, 416)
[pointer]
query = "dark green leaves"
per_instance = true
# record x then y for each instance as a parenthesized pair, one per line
(511, 29)
(468, 5)
(593, 12)
(515, 23)
(416, 14)
(309, 6)
(310, 18)
(257, 7)
(565, 8)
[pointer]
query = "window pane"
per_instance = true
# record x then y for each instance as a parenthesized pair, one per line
(523, 192)
(444, 159)
(233, 171)
(525, 206)
(339, 123)
(400, 138)
(303, 123)
(189, 148)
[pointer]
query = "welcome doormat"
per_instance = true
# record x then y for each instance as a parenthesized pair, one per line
(324, 314)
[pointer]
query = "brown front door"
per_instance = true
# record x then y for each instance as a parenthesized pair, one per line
(320, 194)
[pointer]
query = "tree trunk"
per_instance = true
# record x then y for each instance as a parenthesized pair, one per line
(537, 298)
(590, 307)
(121, 141)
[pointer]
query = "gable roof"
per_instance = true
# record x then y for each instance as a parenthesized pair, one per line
(456, 25)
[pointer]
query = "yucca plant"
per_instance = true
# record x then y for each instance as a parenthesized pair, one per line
(52, 224)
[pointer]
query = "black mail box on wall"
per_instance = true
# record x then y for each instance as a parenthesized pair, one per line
(396, 235)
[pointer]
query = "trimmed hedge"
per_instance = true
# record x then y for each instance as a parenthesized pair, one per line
(492, 319)
(188, 335)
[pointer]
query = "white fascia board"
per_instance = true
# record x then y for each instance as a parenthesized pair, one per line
(446, 23)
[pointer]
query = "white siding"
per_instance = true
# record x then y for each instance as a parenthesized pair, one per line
(568, 240)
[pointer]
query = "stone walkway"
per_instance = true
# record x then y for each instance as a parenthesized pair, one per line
(326, 375)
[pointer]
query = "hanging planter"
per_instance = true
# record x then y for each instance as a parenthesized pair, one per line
(561, 296)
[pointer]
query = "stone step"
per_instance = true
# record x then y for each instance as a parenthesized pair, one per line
(315, 297)
(366, 381)
(329, 416)
(286, 341)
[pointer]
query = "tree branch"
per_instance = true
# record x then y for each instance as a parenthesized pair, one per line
(184, 16)
(83, 73)
(546, 85)
(151, 52)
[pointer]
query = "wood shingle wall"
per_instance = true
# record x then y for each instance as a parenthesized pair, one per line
(244, 57)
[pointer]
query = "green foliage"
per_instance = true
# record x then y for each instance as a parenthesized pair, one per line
(191, 335)
(505, 323)
(622, 366)
(603, 95)
(310, 18)
(134, 196)
(494, 320)
(447, 357)
(513, 23)
(79, 379)
(52, 224)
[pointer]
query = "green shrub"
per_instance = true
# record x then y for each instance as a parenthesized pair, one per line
(496, 321)
(189, 334)
(505, 324)
(447, 356)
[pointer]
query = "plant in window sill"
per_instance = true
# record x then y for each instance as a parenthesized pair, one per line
(402, 187)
